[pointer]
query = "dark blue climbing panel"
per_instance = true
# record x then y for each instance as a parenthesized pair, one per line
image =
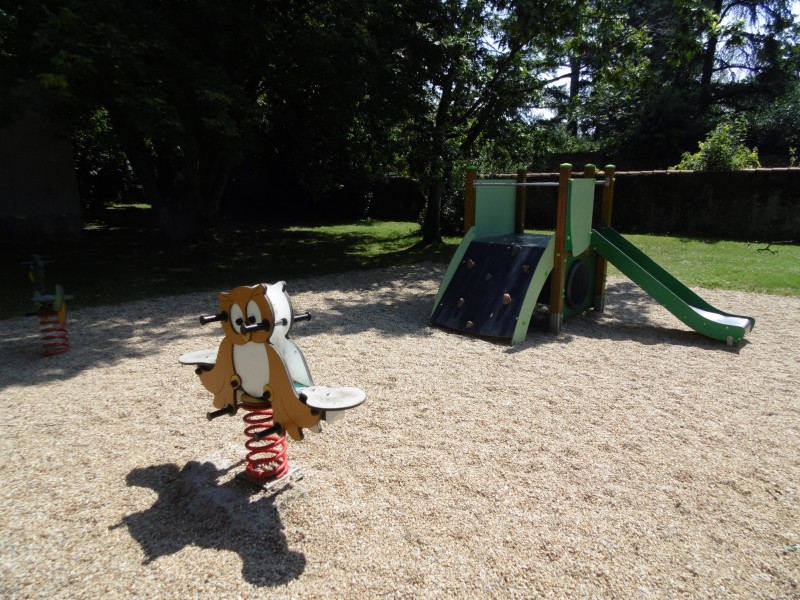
(485, 295)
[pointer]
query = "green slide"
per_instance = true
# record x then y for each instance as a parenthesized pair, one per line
(668, 291)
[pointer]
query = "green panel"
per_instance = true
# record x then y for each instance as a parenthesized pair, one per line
(495, 208)
(454, 262)
(668, 291)
(579, 215)
(543, 269)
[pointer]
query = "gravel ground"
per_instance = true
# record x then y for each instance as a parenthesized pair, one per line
(627, 457)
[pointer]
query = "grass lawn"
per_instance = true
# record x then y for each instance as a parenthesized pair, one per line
(725, 265)
(121, 259)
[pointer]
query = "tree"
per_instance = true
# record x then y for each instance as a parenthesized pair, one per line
(478, 75)
(708, 58)
(180, 88)
(601, 57)
(340, 83)
(723, 150)
(189, 89)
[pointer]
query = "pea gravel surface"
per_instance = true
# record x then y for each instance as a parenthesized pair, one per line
(628, 457)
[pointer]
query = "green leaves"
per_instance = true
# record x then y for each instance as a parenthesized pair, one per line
(722, 150)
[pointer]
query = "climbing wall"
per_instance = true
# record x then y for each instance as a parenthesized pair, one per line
(485, 295)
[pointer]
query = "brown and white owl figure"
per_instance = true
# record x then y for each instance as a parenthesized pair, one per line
(250, 368)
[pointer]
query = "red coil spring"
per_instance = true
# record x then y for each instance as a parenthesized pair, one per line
(55, 339)
(266, 458)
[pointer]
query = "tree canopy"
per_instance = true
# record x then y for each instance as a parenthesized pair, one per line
(329, 97)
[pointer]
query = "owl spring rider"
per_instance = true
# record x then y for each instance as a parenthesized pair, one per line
(260, 369)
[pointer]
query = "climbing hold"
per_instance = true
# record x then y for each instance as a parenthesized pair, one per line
(526, 268)
(469, 325)
(460, 303)
(488, 277)
(470, 263)
(515, 249)
(506, 298)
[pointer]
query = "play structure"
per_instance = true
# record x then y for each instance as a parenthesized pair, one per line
(260, 369)
(499, 273)
(51, 309)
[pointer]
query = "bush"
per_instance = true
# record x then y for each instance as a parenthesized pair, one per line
(722, 150)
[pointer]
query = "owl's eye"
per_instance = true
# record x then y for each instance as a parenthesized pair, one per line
(253, 312)
(236, 315)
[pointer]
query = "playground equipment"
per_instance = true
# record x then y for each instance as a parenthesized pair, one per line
(499, 273)
(260, 369)
(50, 308)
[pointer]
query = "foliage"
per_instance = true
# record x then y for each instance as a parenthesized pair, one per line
(179, 94)
(322, 98)
(776, 126)
(104, 174)
(701, 61)
(722, 150)
(479, 75)
(601, 56)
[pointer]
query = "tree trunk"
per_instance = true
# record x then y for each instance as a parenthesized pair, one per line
(574, 92)
(432, 223)
(708, 63)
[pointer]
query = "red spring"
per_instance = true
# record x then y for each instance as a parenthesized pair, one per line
(266, 458)
(55, 339)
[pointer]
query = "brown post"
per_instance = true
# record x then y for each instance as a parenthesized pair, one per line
(519, 221)
(560, 251)
(469, 198)
(605, 221)
(589, 171)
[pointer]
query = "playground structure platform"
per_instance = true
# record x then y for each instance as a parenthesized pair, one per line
(499, 274)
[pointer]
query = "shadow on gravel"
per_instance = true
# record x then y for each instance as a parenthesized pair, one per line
(193, 509)
(629, 317)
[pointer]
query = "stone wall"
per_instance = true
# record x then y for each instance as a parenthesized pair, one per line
(752, 205)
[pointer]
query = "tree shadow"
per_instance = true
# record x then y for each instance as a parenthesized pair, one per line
(395, 306)
(192, 509)
(99, 336)
(396, 302)
(117, 264)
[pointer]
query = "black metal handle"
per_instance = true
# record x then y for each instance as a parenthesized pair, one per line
(263, 326)
(301, 317)
(223, 316)
(275, 429)
(228, 410)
